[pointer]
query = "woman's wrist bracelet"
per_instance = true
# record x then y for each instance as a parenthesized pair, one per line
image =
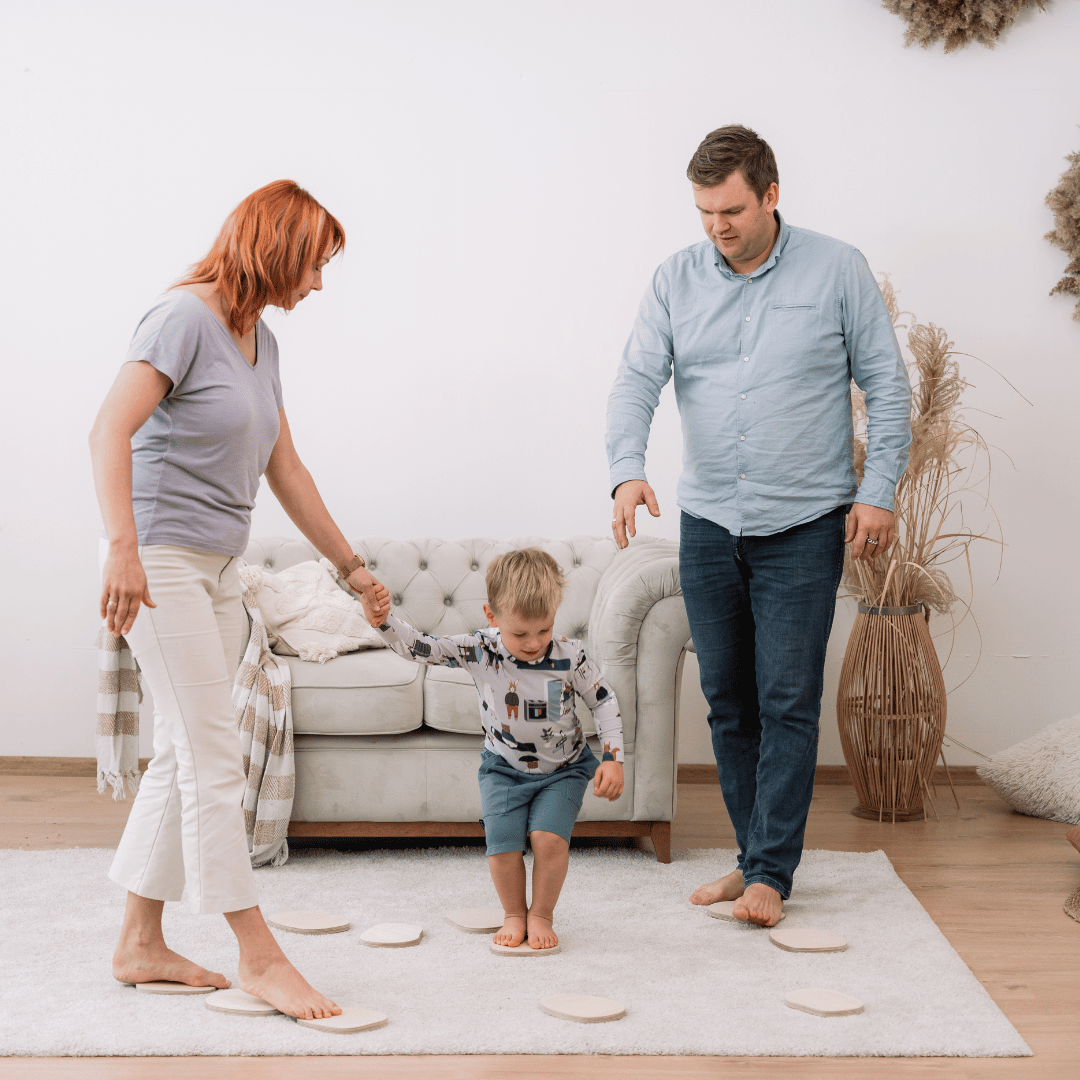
(354, 563)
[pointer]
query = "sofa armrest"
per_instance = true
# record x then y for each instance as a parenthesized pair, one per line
(637, 634)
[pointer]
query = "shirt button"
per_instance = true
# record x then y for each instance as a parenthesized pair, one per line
(746, 359)
(743, 396)
(747, 318)
(742, 438)
(742, 476)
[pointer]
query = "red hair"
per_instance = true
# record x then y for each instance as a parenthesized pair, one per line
(264, 249)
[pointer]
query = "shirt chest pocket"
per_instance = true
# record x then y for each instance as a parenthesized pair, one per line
(795, 324)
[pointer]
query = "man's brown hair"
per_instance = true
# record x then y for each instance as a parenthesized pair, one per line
(732, 148)
(525, 582)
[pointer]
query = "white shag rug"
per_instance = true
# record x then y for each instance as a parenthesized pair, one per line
(691, 984)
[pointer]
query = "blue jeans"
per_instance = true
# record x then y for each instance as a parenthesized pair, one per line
(760, 611)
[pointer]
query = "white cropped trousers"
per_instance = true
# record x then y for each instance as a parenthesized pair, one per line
(187, 822)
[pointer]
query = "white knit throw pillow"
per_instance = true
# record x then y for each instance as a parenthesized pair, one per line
(1041, 775)
(307, 614)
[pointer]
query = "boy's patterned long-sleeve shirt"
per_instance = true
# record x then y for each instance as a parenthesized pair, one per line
(527, 709)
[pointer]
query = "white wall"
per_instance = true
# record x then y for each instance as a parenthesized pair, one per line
(509, 174)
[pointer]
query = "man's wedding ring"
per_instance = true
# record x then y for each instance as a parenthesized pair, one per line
(869, 541)
(111, 603)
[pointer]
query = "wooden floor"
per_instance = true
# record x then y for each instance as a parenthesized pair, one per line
(993, 881)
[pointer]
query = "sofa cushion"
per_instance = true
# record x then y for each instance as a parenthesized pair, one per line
(325, 701)
(450, 703)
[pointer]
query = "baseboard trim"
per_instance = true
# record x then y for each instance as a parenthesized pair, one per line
(962, 775)
(54, 766)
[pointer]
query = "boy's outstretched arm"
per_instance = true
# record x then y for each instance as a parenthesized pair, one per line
(410, 643)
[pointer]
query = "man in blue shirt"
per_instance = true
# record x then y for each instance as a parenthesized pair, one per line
(763, 326)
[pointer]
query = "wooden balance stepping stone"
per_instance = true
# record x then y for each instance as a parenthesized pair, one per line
(477, 920)
(163, 987)
(723, 910)
(240, 1003)
(524, 949)
(308, 922)
(822, 1002)
(807, 940)
(349, 1021)
(393, 935)
(584, 1008)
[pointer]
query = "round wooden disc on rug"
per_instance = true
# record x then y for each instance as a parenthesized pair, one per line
(723, 908)
(584, 1008)
(349, 1020)
(308, 922)
(162, 987)
(392, 935)
(477, 920)
(524, 949)
(822, 1002)
(798, 939)
(239, 1002)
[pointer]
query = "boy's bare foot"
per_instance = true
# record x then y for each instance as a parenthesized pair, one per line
(156, 961)
(512, 933)
(541, 933)
(729, 887)
(760, 904)
(279, 983)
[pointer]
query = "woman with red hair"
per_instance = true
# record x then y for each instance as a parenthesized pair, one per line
(192, 421)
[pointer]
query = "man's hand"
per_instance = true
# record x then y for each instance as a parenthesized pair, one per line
(629, 495)
(865, 524)
(374, 595)
(608, 781)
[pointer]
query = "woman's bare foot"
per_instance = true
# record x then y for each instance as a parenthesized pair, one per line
(279, 983)
(156, 961)
(541, 933)
(729, 887)
(760, 904)
(512, 933)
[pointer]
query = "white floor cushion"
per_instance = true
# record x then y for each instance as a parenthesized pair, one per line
(1041, 775)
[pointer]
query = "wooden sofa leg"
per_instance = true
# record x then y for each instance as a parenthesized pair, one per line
(661, 838)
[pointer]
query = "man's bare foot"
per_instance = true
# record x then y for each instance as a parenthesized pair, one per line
(729, 887)
(760, 904)
(154, 962)
(279, 983)
(541, 933)
(512, 933)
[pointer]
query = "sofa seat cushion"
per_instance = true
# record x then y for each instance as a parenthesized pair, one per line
(450, 703)
(325, 699)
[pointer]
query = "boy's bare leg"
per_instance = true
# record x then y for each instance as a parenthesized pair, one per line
(551, 858)
(266, 973)
(508, 874)
(142, 955)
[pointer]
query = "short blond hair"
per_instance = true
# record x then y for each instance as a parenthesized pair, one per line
(525, 582)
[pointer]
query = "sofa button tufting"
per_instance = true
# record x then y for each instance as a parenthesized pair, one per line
(423, 566)
(448, 602)
(475, 566)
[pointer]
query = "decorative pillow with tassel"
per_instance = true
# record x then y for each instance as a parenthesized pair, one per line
(1041, 775)
(307, 614)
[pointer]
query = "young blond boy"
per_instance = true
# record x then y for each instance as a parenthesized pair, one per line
(535, 765)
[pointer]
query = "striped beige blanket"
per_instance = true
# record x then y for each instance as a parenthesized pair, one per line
(262, 696)
(116, 735)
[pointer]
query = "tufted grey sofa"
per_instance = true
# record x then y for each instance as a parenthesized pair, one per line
(388, 747)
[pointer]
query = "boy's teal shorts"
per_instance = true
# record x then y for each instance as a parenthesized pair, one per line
(514, 803)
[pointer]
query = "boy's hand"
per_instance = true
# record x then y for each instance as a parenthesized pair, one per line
(608, 781)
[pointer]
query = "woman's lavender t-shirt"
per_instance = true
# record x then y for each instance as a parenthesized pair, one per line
(197, 460)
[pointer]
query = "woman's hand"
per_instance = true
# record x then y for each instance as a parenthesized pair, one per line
(608, 781)
(374, 595)
(123, 589)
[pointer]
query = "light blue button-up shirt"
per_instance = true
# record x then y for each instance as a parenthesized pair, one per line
(763, 364)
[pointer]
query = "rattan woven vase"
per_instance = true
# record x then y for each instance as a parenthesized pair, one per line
(891, 710)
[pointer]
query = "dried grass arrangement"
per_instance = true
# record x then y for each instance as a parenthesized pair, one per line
(957, 22)
(891, 701)
(1064, 200)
